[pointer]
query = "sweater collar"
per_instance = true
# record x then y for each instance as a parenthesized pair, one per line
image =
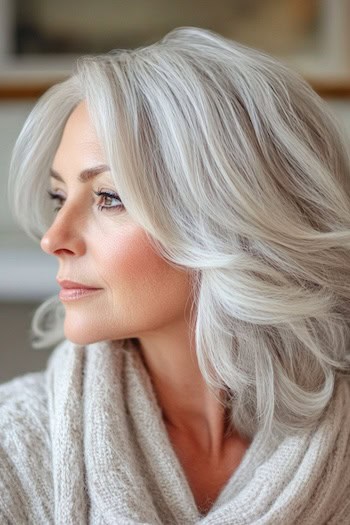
(113, 460)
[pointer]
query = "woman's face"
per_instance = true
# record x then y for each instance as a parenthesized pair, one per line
(139, 292)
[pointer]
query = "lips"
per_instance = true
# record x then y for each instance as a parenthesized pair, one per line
(73, 284)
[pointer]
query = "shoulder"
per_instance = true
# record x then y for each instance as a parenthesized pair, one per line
(14, 393)
(23, 405)
(25, 480)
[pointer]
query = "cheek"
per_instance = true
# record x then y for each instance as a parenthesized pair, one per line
(126, 258)
(137, 277)
(142, 292)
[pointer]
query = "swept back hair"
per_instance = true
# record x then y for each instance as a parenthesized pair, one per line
(237, 171)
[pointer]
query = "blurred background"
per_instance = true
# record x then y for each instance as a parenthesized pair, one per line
(39, 42)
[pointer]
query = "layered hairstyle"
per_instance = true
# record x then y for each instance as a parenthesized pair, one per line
(239, 172)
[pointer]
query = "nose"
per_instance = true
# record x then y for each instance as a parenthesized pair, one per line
(65, 235)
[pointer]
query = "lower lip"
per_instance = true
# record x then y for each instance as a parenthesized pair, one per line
(73, 294)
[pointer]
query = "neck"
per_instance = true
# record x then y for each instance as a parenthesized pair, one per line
(188, 404)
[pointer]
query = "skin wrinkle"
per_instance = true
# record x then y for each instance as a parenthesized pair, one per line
(143, 296)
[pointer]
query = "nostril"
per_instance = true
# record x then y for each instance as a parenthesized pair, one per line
(62, 251)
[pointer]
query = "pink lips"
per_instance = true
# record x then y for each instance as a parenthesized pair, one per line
(74, 284)
(72, 290)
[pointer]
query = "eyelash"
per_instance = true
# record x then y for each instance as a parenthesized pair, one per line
(104, 194)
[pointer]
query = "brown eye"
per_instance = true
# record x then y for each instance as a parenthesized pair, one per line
(108, 198)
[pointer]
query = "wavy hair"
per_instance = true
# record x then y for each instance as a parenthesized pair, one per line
(238, 171)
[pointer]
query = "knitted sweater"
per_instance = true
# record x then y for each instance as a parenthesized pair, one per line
(83, 442)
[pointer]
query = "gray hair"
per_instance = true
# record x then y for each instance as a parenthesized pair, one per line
(239, 172)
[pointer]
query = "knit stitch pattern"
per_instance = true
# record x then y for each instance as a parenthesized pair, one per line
(84, 442)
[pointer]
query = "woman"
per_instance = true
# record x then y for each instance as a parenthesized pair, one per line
(201, 370)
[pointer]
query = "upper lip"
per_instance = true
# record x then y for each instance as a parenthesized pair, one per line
(72, 284)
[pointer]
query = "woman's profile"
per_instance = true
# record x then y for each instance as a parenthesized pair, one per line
(196, 195)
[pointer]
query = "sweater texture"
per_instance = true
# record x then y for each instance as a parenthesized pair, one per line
(84, 442)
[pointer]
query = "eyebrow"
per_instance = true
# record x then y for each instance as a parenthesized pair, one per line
(85, 175)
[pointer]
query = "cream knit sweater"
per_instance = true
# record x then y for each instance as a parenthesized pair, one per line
(83, 442)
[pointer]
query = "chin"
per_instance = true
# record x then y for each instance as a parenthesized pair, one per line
(80, 337)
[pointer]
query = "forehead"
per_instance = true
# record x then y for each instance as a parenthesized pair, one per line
(79, 116)
(79, 154)
(79, 138)
(79, 127)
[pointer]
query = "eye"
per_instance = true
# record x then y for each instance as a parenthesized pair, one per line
(107, 198)
(58, 197)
